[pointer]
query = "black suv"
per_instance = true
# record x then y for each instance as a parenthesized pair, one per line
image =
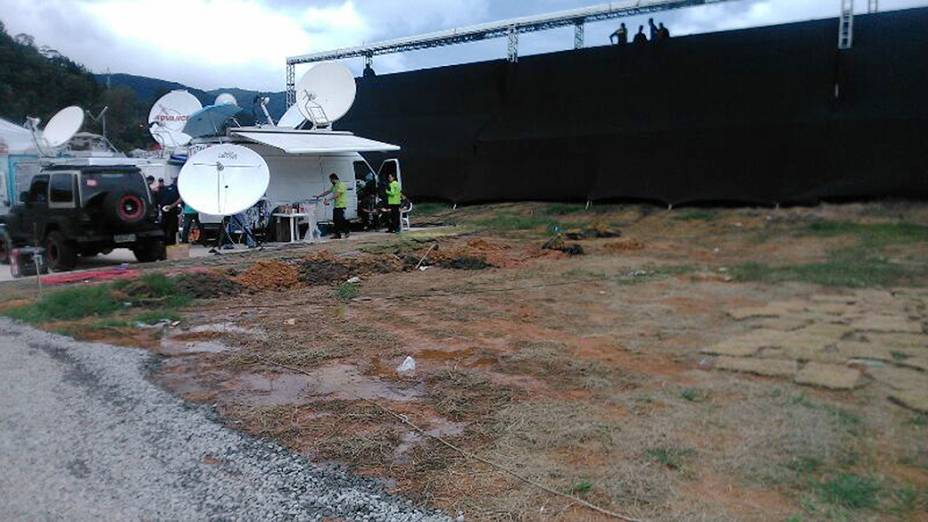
(85, 210)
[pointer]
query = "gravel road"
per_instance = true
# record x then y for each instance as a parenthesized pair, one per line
(85, 436)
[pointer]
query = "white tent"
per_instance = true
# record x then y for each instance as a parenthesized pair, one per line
(15, 139)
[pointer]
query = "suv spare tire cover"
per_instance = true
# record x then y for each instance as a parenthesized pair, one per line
(127, 207)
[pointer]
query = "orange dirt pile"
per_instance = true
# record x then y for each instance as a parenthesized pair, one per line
(269, 275)
(625, 245)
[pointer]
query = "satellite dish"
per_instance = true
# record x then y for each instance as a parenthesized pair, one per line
(63, 126)
(325, 93)
(169, 115)
(293, 118)
(225, 99)
(224, 180)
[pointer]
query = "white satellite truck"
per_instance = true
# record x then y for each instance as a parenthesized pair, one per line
(300, 151)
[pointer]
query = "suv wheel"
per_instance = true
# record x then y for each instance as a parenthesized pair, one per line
(60, 253)
(129, 208)
(150, 251)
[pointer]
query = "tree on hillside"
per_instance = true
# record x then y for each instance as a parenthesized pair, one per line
(32, 84)
(39, 81)
(124, 119)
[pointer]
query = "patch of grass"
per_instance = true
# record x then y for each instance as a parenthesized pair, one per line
(859, 266)
(430, 208)
(110, 324)
(694, 215)
(582, 487)
(673, 458)
(920, 420)
(839, 271)
(156, 316)
(805, 465)
(693, 395)
(152, 290)
(507, 222)
(564, 209)
(850, 491)
(68, 305)
(905, 501)
(880, 234)
(347, 291)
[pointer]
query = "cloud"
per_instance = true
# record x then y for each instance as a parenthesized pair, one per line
(244, 43)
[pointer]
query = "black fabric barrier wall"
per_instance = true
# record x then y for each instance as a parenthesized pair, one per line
(745, 116)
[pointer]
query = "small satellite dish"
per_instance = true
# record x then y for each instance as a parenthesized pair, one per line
(169, 115)
(292, 119)
(224, 180)
(63, 126)
(325, 93)
(225, 99)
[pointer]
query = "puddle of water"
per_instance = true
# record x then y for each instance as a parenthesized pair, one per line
(223, 328)
(337, 381)
(171, 346)
(441, 427)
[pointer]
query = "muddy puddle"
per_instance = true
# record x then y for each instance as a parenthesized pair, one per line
(334, 382)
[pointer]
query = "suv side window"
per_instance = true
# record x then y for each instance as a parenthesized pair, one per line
(61, 193)
(38, 189)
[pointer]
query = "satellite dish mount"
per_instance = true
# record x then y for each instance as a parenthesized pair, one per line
(59, 130)
(224, 180)
(325, 94)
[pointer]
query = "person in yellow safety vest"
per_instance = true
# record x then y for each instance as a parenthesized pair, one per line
(394, 200)
(339, 193)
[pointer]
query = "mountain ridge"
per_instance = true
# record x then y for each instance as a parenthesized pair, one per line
(148, 89)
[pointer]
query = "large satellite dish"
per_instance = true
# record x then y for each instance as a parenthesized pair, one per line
(292, 119)
(225, 99)
(169, 115)
(63, 126)
(224, 180)
(325, 93)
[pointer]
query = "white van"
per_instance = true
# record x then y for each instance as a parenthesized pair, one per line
(300, 162)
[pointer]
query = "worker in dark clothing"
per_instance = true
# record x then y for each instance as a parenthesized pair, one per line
(167, 196)
(339, 194)
(394, 201)
(662, 32)
(653, 29)
(620, 36)
(640, 38)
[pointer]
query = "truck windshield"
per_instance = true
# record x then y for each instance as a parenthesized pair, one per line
(96, 185)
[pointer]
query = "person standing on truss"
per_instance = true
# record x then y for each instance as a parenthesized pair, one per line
(620, 36)
(641, 38)
(654, 29)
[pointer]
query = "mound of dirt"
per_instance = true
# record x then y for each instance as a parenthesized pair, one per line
(625, 245)
(269, 275)
(207, 285)
(597, 231)
(322, 268)
(558, 244)
(465, 263)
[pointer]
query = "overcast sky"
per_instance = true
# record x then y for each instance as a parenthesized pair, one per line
(243, 43)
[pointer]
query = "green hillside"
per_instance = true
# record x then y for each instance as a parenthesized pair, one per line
(38, 82)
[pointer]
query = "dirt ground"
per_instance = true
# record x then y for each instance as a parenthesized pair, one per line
(694, 364)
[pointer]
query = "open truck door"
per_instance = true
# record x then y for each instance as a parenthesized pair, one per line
(390, 166)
